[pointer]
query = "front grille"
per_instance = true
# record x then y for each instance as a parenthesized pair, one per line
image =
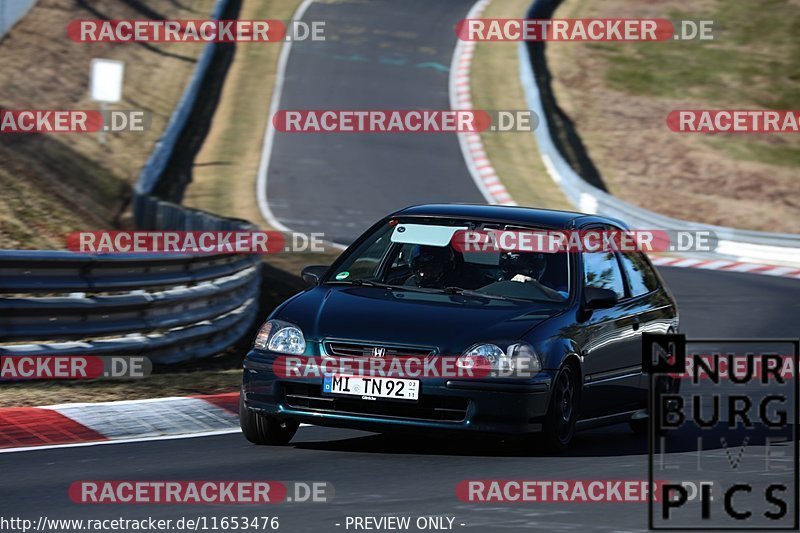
(355, 349)
(309, 397)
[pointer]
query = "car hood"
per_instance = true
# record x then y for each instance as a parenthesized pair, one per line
(450, 323)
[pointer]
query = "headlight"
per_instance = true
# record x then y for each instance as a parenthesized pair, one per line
(519, 359)
(281, 337)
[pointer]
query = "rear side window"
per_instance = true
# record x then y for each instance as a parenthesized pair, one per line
(601, 270)
(641, 277)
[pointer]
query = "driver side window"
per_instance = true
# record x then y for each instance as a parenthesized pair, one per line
(400, 268)
(366, 265)
(403, 258)
(601, 270)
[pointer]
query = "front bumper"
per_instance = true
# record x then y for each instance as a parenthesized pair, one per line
(486, 405)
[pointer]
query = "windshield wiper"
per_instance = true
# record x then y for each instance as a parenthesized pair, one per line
(468, 292)
(363, 283)
(379, 284)
(369, 283)
(430, 290)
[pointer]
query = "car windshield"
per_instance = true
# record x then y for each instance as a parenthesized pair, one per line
(432, 256)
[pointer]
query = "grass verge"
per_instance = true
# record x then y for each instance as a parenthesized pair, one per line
(188, 383)
(57, 183)
(495, 85)
(224, 174)
(618, 95)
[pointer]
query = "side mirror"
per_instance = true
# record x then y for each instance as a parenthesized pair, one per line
(597, 298)
(313, 274)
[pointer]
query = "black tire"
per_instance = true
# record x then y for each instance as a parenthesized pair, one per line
(265, 430)
(559, 423)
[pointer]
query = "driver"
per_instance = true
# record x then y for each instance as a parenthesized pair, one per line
(522, 267)
(432, 266)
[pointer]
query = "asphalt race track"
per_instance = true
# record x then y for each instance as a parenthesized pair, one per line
(377, 55)
(341, 183)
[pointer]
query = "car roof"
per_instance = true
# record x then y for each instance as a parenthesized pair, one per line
(550, 218)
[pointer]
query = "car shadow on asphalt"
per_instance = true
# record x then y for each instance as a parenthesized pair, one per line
(612, 441)
(605, 442)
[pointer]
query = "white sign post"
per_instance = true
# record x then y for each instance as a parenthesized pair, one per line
(105, 85)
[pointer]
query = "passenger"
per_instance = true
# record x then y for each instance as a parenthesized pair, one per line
(527, 268)
(522, 267)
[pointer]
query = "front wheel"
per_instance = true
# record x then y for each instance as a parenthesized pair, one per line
(265, 430)
(559, 425)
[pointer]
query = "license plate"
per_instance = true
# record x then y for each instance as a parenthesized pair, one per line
(371, 388)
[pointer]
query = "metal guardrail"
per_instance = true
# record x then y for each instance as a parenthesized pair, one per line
(152, 213)
(150, 174)
(34, 271)
(169, 308)
(733, 244)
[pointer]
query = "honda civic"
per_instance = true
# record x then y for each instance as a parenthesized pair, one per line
(508, 335)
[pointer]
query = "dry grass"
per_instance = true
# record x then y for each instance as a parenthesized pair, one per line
(57, 183)
(495, 85)
(224, 175)
(618, 95)
(155, 386)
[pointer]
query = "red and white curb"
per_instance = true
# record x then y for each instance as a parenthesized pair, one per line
(31, 428)
(728, 266)
(477, 161)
